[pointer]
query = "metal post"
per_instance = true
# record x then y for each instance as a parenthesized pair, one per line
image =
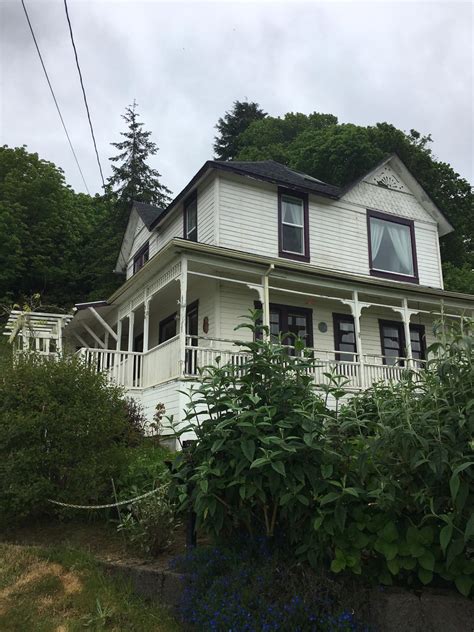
(406, 326)
(356, 313)
(183, 285)
(146, 325)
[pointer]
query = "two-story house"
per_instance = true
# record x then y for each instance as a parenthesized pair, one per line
(356, 272)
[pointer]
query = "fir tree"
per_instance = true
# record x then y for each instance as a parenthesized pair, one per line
(243, 113)
(132, 178)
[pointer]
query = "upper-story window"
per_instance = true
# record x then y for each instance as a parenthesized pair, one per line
(190, 219)
(392, 252)
(141, 257)
(293, 225)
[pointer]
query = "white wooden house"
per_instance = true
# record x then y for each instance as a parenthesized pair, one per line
(356, 272)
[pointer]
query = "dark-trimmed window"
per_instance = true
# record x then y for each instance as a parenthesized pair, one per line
(344, 338)
(141, 257)
(287, 319)
(392, 337)
(190, 218)
(392, 251)
(293, 225)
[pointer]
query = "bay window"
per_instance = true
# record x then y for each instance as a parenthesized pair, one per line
(392, 252)
(293, 225)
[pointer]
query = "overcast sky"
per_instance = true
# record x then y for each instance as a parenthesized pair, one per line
(407, 63)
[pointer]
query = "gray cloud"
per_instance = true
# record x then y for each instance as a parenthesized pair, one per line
(406, 63)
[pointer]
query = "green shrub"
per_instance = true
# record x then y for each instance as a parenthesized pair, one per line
(63, 432)
(150, 524)
(384, 489)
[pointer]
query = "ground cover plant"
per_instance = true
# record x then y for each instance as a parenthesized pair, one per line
(251, 589)
(63, 589)
(383, 490)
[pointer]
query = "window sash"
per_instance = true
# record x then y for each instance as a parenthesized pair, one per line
(190, 220)
(392, 247)
(293, 225)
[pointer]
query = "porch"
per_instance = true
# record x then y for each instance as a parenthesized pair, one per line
(179, 313)
(140, 370)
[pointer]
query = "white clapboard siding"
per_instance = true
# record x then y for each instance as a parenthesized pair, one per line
(248, 221)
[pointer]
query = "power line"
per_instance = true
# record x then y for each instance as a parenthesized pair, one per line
(84, 93)
(54, 96)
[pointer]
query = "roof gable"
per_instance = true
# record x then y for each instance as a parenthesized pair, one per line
(391, 175)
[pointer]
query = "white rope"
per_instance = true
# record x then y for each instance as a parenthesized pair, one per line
(122, 502)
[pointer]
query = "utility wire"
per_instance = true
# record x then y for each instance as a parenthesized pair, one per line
(54, 96)
(84, 93)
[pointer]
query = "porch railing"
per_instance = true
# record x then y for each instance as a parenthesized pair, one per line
(162, 363)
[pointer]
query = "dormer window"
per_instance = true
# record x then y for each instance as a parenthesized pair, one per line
(141, 258)
(293, 225)
(190, 219)
(392, 252)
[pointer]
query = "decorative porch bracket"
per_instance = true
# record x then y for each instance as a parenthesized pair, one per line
(104, 324)
(94, 336)
(356, 308)
(406, 315)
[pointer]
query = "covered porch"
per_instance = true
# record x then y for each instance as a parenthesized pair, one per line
(184, 315)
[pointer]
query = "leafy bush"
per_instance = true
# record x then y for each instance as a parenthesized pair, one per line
(150, 524)
(384, 488)
(245, 589)
(62, 435)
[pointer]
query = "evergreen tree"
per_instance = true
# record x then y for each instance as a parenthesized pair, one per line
(243, 113)
(132, 178)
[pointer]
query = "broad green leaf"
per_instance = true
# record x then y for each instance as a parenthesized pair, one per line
(204, 485)
(393, 566)
(427, 561)
(248, 448)
(445, 536)
(464, 584)
(260, 462)
(425, 576)
(279, 467)
(454, 486)
(329, 498)
(389, 532)
(338, 565)
(469, 532)
(327, 470)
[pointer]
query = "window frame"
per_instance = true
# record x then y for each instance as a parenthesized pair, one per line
(385, 274)
(337, 318)
(139, 259)
(305, 256)
(399, 325)
(307, 312)
(186, 204)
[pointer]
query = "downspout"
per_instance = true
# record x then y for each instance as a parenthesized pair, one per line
(266, 298)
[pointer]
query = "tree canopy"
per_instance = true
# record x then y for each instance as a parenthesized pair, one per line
(232, 125)
(339, 153)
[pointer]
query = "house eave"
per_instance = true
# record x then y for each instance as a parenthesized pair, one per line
(178, 245)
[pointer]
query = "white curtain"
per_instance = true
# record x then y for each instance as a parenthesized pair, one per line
(292, 212)
(401, 240)
(376, 234)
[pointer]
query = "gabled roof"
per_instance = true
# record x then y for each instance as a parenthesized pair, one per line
(272, 171)
(147, 212)
(396, 163)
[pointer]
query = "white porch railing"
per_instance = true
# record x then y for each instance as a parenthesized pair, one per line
(162, 363)
(122, 367)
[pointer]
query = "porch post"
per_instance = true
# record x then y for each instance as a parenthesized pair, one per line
(356, 313)
(131, 322)
(146, 323)
(406, 314)
(266, 298)
(119, 334)
(183, 285)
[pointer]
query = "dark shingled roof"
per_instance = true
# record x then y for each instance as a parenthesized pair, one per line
(275, 172)
(148, 213)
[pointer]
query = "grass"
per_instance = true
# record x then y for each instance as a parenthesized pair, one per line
(63, 590)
